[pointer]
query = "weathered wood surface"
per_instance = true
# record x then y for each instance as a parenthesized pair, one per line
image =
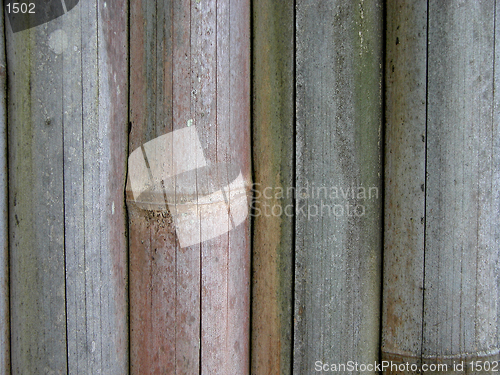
(273, 162)
(442, 235)
(404, 208)
(339, 129)
(67, 158)
(189, 305)
(4, 219)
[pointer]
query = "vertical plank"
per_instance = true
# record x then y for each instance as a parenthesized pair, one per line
(238, 154)
(461, 250)
(338, 157)
(68, 110)
(205, 36)
(495, 151)
(105, 145)
(139, 267)
(221, 69)
(273, 161)
(95, 93)
(189, 309)
(404, 209)
(4, 218)
(152, 241)
(188, 303)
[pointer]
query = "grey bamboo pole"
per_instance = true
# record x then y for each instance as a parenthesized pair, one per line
(406, 69)
(442, 216)
(4, 219)
(338, 160)
(67, 113)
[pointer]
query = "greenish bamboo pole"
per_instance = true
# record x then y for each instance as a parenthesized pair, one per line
(273, 161)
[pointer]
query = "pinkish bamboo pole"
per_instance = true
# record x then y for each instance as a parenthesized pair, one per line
(189, 294)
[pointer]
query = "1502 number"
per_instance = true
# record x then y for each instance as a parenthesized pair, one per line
(488, 366)
(21, 8)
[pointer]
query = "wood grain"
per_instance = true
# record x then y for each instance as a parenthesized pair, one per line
(190, 305)
(273, 161)
(4, 218)
(339, 136)
(67, 156)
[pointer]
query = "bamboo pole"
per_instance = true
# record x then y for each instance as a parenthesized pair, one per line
(406, 69)
(67, 154)
(273, 160)
(441, 285)
(189, 289)
(4, 218)
(338, 160)
(462, 226)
